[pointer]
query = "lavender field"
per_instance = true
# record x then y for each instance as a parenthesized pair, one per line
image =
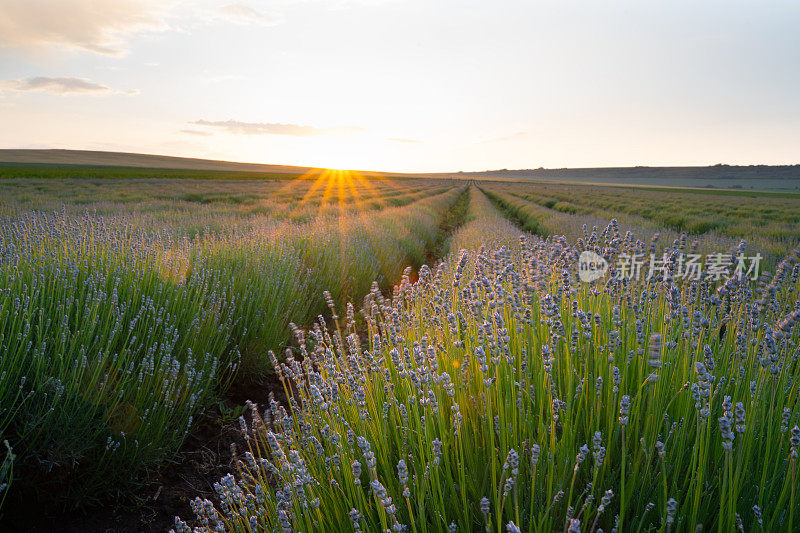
(398, 354)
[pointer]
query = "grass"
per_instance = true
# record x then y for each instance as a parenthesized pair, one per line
(494, 392)
(519, 213)
(501, 394)
(770, 221)
(484, 226)
(55, 171)
(106, 354)
(716, 192)
(118, 330)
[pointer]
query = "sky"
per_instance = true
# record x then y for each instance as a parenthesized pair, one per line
(406, 85)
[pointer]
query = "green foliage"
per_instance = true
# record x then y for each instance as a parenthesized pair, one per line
(768, 220)
(117, 329)
(128, 304)
(519, 213)
(6, 472)
(484, 226)
(53, 171)
(500, 392)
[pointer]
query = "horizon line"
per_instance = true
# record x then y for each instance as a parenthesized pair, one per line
(307, 168)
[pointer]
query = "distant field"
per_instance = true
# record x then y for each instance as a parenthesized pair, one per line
(124, 159)
(39, 161)
(52, 171)
(757, 177)
(784, 178)
(753, 193)
(769, 221)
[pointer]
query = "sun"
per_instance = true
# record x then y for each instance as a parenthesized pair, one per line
(336, 189)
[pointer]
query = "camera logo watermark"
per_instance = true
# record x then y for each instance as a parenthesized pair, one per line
(591, 266)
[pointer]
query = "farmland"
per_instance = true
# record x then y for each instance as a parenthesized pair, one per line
(436, 362)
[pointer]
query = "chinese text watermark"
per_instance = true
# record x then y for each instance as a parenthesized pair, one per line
(715, 266)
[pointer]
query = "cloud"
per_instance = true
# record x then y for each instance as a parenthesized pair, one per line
(99, 27)
(236, 127)
(105, 26)
(243, 14)
(400, 140)
(58, 85)
(197, 132)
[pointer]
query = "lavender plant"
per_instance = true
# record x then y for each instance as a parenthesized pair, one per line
(6, 471)
(116, 331)
(108, 350)
(500, 393)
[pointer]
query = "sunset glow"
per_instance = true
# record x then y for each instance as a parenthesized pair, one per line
(392, 85)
